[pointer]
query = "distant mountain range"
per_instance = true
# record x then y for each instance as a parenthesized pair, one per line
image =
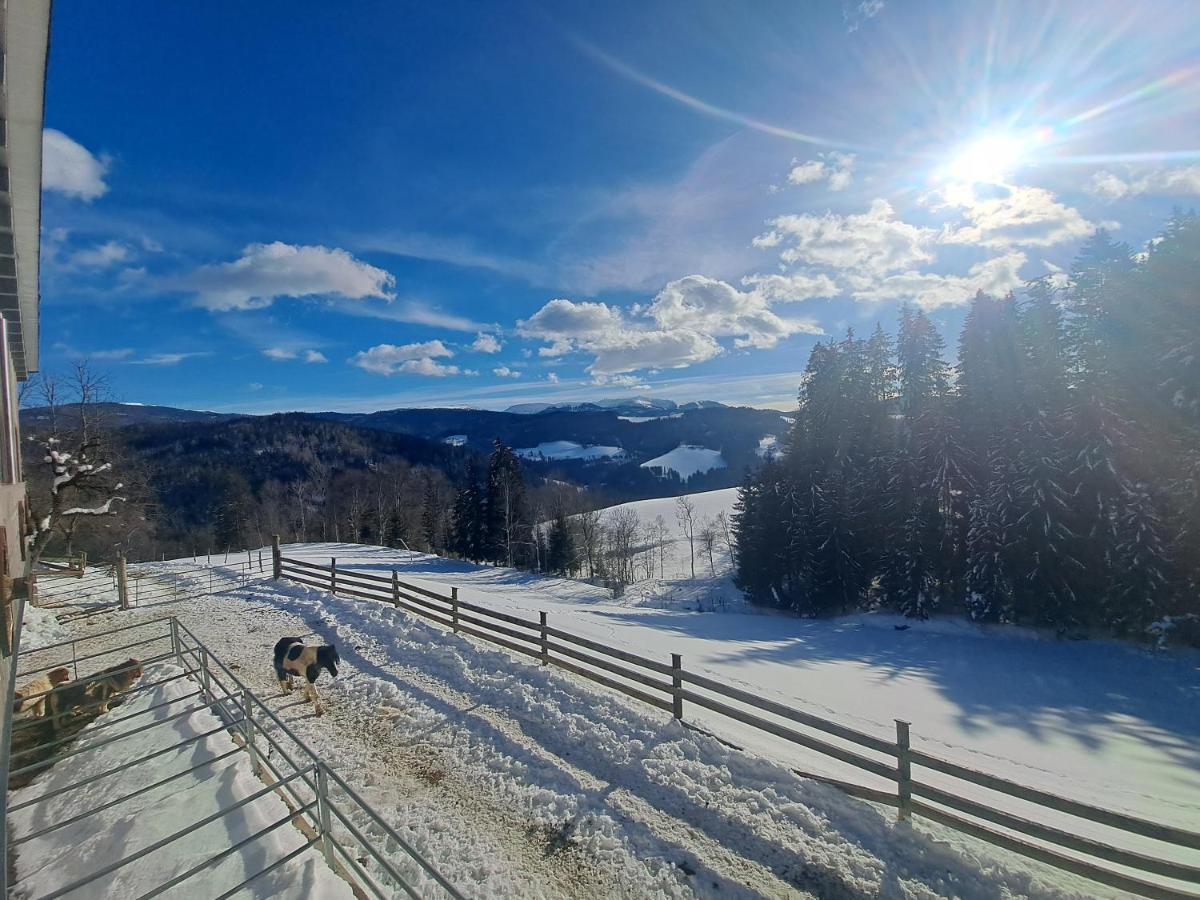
(601, 444)
(622, 406)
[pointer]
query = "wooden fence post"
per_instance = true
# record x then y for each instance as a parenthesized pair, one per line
(122, 583)
(395, 588)
(454, 608)
(903, 772)
(676, 686)
(545, 640)
(276, 558)
(333, 574)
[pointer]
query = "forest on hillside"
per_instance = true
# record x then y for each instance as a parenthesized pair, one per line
(1050, 477)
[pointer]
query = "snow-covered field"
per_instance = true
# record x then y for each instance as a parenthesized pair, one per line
(59, 858)
(687, 460)
(588, 788)
(569, 450)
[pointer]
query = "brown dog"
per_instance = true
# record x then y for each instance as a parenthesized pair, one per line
(95, 692)
(64, 700)
(31, 697)
(108, 683)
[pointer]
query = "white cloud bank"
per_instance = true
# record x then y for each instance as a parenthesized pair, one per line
(1179, 180)
(265, 272)
(283, 354)
(407, 359)
(70, 169)
(678, 328)
(486, 343)
(835, 169)
(877, 256)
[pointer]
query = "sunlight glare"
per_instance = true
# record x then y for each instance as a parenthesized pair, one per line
(987, 160)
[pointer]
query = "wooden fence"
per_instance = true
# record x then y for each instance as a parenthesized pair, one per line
(669, 686)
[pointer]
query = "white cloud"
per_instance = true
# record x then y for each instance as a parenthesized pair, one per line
(1016, 217)
(632, 350)
(506, 372)
(254, 386)
(100, 256)
(430, 369)
(556, 349)
(267, 271)
(415, 312)
(792, 288)
(568, 320)
(167, 359)
(486, 343)
(835, 169)
(629, 382)
(282, 354)
(1180, 180)
(716, 309)
(930, 290)
(875, 241)
(552, 377)
(807, 172)
(121, 353)
(70, 169)
(413, 359)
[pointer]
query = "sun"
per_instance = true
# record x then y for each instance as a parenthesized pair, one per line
(988, 160)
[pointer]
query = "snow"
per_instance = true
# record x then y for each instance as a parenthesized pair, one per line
(55, 860)
(1102, 722)
(40, 627)
(687, 460)
(569, 450)
(638, 420)
(768, 447)
(455, 440)
(480, 753)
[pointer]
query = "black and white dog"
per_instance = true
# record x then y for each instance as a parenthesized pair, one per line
(294, 657)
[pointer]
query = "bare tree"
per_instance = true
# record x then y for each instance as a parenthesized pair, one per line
(624, 529)
(661, 535)
(71, 471)
(725, 534)
(685, 515)
(590, 538)
(708, 534)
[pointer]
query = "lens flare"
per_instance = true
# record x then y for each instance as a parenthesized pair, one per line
(988, 160)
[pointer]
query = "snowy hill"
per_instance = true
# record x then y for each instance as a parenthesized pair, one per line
(686, 460)
(568, 450)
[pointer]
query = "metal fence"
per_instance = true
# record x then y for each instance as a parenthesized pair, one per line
(668, 686)
(328, 811)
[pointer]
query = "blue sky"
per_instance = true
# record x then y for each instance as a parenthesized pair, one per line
(271, 206)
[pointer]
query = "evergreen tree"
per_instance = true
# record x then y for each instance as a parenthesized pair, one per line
(560, 547)
(431, 517)
(467, 537)
(507, 533)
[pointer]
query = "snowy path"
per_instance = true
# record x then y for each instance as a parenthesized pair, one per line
(74, 851)
(518, 781)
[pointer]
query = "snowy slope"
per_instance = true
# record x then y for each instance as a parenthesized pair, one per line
(1100, 722)
(522, 781)
(51, 862)
(569, 450)
(677, 558)
(687, 460)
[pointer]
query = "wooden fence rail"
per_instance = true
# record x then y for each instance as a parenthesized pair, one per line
(893, 760)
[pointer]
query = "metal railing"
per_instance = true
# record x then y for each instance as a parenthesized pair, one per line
(330, 814)
(667, 686)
